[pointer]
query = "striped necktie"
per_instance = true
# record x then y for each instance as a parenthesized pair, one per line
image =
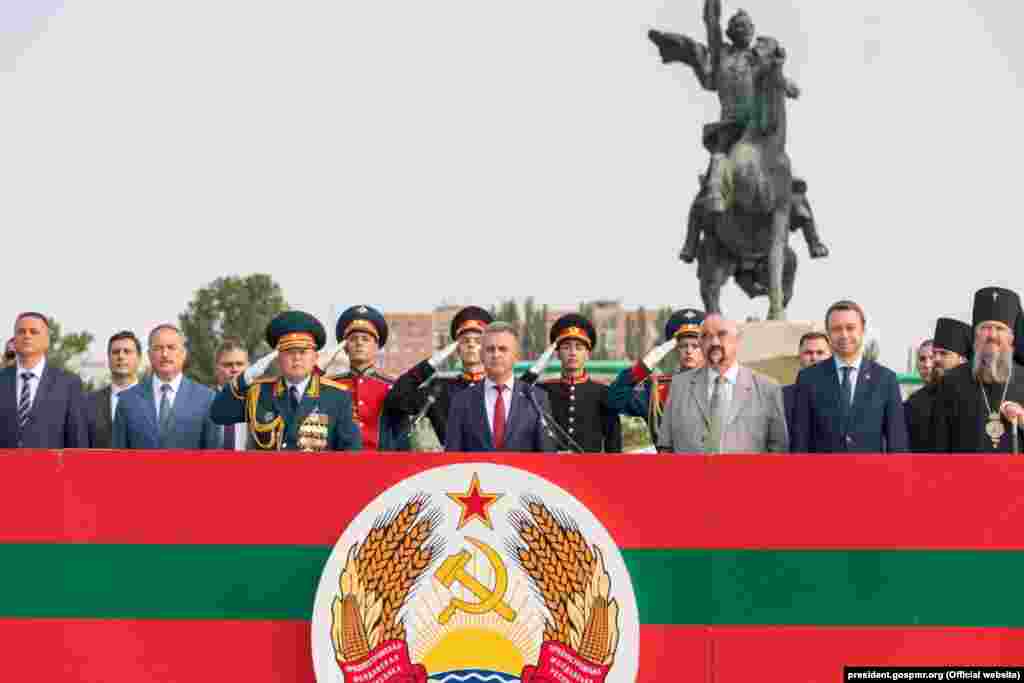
(25, 400)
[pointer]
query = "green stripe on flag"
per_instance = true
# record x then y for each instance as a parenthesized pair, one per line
(970, 588)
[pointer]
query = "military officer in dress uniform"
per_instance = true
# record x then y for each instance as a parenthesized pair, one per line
(950, 347)
(410, 402)
(363, 331)
(579, 404)
(979, 402)
(300, 410)
(631, 392)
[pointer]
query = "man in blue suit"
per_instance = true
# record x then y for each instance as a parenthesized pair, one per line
(499, 414)
(40, 405)
(849, 404)
(166, 409)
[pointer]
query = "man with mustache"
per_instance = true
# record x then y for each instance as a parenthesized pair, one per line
(947, 350)
(641, 392)
(723, 407)
(578, 403)
(979, 403)
(851, 404)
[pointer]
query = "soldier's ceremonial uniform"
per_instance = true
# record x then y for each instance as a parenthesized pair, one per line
(631, 392)
(967, 417)
(951, 335)
(370, 387)
(579, 404)
(406, 400)
(274, 419)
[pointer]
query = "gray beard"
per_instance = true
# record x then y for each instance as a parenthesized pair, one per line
(993, 368)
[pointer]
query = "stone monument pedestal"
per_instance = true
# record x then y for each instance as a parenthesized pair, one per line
(772, 347)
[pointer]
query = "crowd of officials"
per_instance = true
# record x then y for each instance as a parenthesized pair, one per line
(841, 402)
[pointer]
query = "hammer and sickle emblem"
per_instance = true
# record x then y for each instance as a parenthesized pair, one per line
(454, 569)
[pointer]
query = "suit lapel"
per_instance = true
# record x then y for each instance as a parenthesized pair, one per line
(865, 384)
(45, 386)
(740, 393)
(481, 414)
(519, 407)
(8, 389)
(148, 407)
(698, 390)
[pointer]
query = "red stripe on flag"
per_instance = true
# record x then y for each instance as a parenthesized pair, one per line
(252, 651)
(778, 502)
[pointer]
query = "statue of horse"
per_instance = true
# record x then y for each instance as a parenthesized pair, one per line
(749, 242)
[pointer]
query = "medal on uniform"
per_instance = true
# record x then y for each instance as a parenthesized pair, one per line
(312, 433)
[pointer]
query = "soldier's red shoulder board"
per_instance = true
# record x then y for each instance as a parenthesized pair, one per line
(343, 385)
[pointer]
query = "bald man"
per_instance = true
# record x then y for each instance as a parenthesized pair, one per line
(723, 407)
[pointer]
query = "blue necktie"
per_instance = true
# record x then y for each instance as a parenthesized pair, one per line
(845, 395)
(164, 418)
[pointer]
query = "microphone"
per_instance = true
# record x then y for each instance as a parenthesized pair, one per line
(548, 423)
(431, 400)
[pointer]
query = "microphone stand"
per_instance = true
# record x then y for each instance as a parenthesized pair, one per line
(432, 396)
(549, 423)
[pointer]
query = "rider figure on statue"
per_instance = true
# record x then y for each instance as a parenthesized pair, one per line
(729, 69)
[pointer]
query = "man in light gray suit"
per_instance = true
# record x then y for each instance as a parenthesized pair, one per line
(166, 409)
(723, 407)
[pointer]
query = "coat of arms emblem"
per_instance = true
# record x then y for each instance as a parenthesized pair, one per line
(475, 573)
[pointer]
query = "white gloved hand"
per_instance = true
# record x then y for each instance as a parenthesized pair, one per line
(256, 370)
(441, 356)
(655, 355)
(537, 369)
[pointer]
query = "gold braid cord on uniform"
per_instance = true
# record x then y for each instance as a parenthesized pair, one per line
(275, 427)
(654, 408)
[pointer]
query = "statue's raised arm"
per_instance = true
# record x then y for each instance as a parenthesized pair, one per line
(713, 24)
(703, 59)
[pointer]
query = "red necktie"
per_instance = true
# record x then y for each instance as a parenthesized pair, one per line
(499, 417)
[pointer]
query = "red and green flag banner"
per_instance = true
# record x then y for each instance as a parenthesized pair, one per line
(177, 566)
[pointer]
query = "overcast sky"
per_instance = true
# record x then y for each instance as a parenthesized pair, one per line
(398, 153)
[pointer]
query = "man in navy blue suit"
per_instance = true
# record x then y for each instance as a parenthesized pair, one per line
(850, 404)
(40, 405)
(166, 409)
(499, 413)
(814, 347)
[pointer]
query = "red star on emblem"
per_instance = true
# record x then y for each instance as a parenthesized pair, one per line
(475, 503)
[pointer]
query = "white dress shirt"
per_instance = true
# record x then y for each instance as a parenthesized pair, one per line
(33, 387)
(727, 386)
(114, 391)
(854, 373)
(300, 386)
(491, 398)
(158, 395)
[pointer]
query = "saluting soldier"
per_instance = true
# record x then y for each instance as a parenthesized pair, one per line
(950, 347)
(363, 331)
(410, 402)
(979, 402)
(631, 392)
(301, 410)
(579, 404)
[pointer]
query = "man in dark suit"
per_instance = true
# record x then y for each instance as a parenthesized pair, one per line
(166, 410)
(40, 406)
(814, 347)
(499, 414)
(851, 404)
(123, 355)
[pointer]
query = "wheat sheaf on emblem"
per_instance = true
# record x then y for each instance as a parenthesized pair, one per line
(379, 575)
(570, 576)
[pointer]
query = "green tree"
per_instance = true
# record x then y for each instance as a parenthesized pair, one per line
(535, 329)
(66, 349)
(232, 306)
